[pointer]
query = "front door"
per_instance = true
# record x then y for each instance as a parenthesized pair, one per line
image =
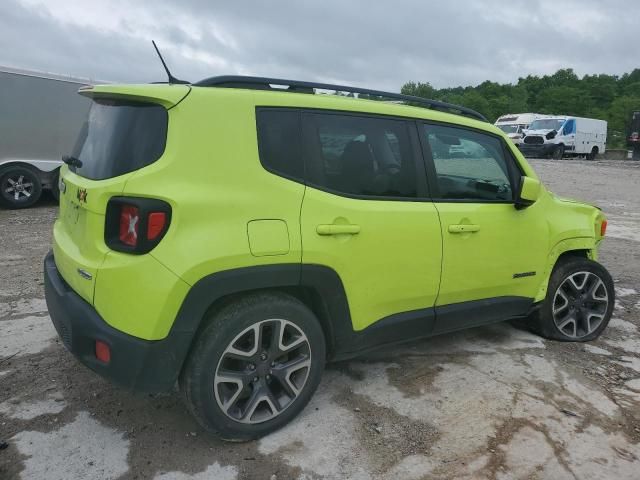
(492, 252)
(366, 215)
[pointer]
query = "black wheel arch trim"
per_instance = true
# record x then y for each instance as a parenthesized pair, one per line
(330, 304)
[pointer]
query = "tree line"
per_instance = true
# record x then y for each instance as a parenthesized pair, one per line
(607, 97)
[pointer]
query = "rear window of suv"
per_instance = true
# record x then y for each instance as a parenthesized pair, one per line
(120, 137)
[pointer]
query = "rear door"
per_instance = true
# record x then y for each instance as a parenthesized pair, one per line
(492, 252)
(366, 215)
(118, 138)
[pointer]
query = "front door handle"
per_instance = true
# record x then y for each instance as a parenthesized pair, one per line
(337, 229)
(466, 228)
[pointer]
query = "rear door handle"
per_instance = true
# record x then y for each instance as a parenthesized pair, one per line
(464, 228)
(337, 229)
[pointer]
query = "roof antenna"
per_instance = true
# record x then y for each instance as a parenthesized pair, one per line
(172, 79)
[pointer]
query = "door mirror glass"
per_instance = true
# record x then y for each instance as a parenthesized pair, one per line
(528, 192)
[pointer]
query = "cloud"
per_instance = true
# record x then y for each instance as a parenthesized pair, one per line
(373, 44)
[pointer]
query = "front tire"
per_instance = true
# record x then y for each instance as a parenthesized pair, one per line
(558, 152)
(254, 367)
(20, 187)
(579, 302)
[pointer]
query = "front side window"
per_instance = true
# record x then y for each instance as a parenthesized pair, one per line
(569, 127)
(469, 166)
(359, 156)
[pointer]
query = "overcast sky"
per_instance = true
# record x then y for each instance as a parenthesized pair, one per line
(369, 43)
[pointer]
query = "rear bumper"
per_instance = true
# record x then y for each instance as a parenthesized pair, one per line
(536, 151)
(150, 366)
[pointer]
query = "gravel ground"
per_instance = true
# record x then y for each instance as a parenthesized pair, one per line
(494, 402)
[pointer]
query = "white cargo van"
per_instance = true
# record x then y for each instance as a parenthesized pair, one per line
(565, 136)
(514, 124)
(40, 117)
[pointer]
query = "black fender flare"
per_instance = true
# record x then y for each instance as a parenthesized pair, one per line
(332, 306)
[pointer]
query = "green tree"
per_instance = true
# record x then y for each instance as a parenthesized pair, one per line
(607, 97)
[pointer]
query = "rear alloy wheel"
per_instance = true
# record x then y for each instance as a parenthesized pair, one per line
(558, 152)
(579, 302)
(20, 187)
(254, 367)
(262, 371)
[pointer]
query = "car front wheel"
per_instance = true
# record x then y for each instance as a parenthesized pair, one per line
(558, 152)
(20, 186)
(579, 302)
(254, 367)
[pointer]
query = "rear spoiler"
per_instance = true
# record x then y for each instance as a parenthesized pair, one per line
(166, 95)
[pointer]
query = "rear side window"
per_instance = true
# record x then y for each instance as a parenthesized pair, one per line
(279, 142)
(359, 156)
(120, 137)
(469, 165)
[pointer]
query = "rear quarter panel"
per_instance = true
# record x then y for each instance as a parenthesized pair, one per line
(211, 176)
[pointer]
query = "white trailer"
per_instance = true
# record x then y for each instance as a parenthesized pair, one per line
(40, 117)
(514, 124)
(565, 136)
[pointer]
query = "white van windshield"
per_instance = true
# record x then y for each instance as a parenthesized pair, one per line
(547, 124)
(509, 128)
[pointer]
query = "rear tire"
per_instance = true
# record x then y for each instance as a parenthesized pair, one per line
(579, 302)
(592, 155)
(558, 152)
(254, 367)
(20, 186)
(55, 186)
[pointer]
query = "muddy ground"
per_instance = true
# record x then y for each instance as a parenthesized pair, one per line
(494, 402)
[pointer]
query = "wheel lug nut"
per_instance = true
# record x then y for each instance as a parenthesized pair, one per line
(255, 379)
(263, 356)
(252, 366)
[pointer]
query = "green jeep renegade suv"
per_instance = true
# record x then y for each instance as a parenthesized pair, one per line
(235, 234)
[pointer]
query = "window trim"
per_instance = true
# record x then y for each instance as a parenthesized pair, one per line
(512, 164)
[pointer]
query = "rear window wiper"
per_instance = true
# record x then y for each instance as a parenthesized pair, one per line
(72, 161)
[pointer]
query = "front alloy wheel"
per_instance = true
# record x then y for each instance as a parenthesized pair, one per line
(262, 371)
(580, 305)
(579, 301)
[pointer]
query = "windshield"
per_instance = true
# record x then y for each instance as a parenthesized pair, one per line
(509, 128)
(120, 137)
(547, 124)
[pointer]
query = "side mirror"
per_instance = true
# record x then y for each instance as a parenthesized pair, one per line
(528, 192)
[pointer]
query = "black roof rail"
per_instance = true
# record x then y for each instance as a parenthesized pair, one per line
(295, 86)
